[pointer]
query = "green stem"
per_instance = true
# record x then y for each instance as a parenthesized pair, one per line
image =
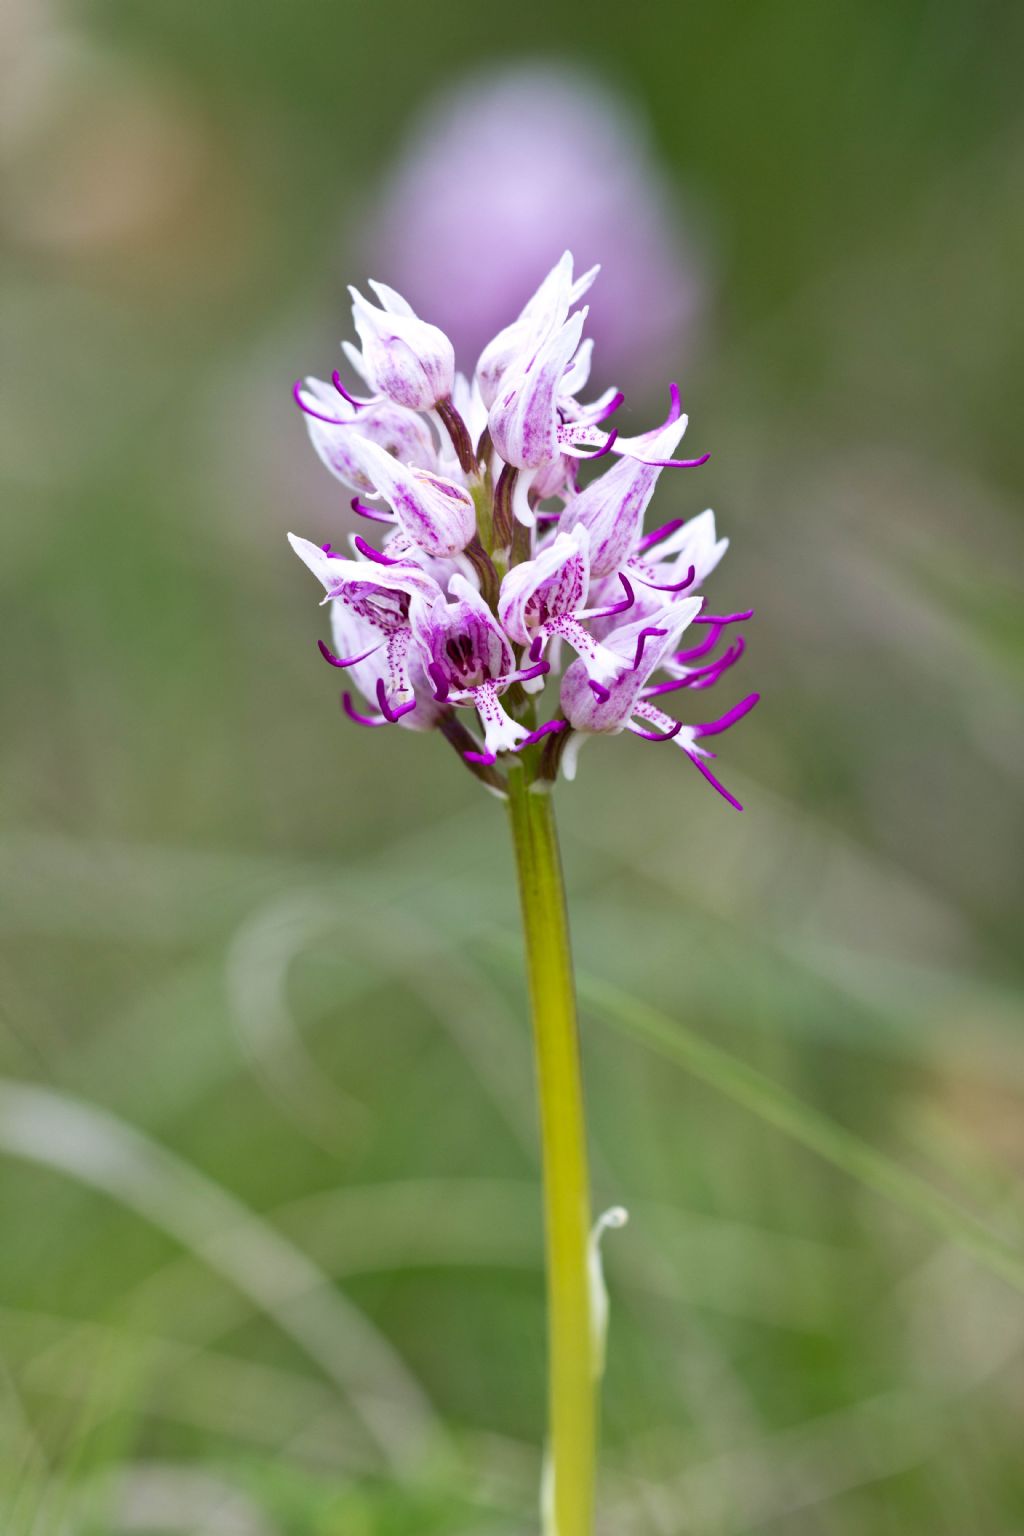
(571, 1375)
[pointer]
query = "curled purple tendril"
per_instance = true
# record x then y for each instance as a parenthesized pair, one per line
(332, 421)
(332, 554)
(386, 709)
(641, 640)
(612, 406)
(371, 553)
(657, 735)
(675, 463)
(549, 729)
(438, 677)
(357, 405)
(622, 605)
(702, 767)
(346, 661)
(707, 644)
(486, 759)
(600, 692)
(353, 713)
(716, 727)
(673, 586)
(541, 669)
(606, 446)
(719, 618)
(372, 513)
(656, 536)
(702, 677)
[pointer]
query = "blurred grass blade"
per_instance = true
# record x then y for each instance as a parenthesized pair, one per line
(89, 1144)
(773, 1103)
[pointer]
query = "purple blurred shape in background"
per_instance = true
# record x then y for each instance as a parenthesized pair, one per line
(501, 175)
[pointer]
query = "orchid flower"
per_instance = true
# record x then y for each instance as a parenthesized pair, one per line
(458, 624)
(470, 662)
(381, 597)
(467, 613)
(546, 597)
(335, 421)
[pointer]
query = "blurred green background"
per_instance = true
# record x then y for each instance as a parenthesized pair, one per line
(269, 1224)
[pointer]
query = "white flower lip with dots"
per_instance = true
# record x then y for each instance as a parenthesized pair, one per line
(514, 612)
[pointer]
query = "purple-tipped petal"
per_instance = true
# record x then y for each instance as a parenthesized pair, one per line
(486, 759)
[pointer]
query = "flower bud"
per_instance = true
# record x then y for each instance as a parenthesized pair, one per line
(404, 358)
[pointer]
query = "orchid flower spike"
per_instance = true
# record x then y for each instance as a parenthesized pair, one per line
(500, 604)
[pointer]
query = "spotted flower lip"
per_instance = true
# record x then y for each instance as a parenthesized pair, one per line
(470, 661)
(409, 361)
(492, 566)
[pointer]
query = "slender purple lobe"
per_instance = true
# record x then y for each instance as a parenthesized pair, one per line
(706, 771)
(641, 641)
(347, 661)
(674, 586)
(729, 718)
(386, 710)
(371, 553)
(332, 421)
(436, 673)
(353, 713)
(658, 534)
